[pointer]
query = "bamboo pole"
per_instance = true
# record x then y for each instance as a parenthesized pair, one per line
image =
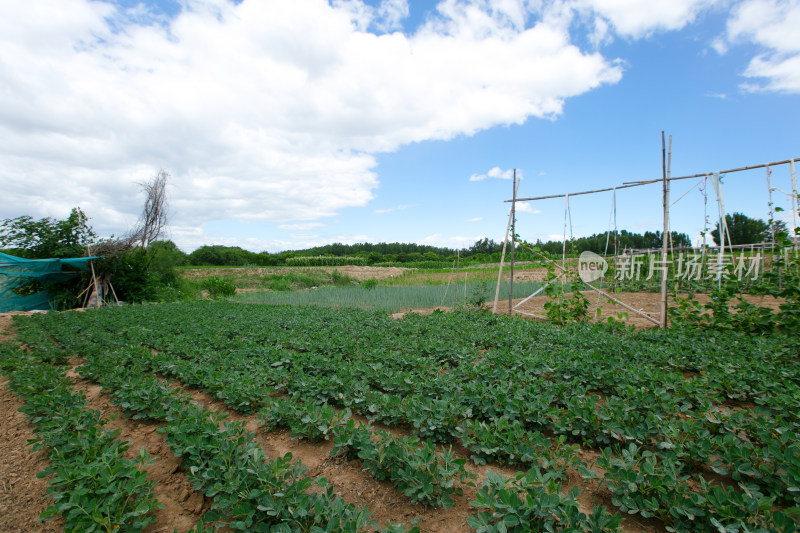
(458, 261)
(771, 213)
(94, 278)
(795, 202)
(532, 314)
(608, 296)
(446, 289)
(623, 304)
(502, 261)
(536, 293)
(110, 286)
(628, 184)
(665, 237)
(513, 245)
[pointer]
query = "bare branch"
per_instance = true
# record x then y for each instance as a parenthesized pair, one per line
(153, 219)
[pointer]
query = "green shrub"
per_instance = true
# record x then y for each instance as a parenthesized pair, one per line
(218, 287)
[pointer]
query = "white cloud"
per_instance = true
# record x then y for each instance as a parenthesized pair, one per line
(497, 173)
(638, 18)
(385, 17)
(475, 219)
(772, 25)
(260, 110)
(526, 207)
(454, 242)
(301, 227)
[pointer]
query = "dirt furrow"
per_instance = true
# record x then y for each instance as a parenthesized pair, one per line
(183, 506)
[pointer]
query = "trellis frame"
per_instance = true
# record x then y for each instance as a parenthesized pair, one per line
(665, 180)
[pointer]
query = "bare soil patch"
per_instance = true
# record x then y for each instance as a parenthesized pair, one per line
(22, 494)
(647, 302)
(183, 506)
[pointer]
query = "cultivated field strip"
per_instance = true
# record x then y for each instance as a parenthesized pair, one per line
(696, 431)
(93, 485)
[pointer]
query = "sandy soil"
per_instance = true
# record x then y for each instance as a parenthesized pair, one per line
(647, 302)
(22, 494)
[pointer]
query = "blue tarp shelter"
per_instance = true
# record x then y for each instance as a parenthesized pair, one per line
(17, 272)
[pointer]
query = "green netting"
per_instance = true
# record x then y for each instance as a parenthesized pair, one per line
(16, 272)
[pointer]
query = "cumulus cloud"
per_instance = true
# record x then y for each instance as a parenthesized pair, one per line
(497, 173)
(636, 19)
(526, 207)
(268, 111)
(772, 25)
(385, 17)
(301, 227)
(454, 242)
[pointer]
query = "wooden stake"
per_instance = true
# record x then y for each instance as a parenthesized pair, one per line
(449, 279)
(502, 260)
(623, 304)
(110, 286)
(513, 245)
(628, 184)
(458, 260)
(665, 237)
(94, 278)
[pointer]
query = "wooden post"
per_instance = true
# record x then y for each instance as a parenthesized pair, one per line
(665, 237)
(771, 214)
(513, 245)
(99, 297)
(458, 260)
(502, 261)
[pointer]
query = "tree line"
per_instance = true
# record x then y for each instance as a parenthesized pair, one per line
(144, 269)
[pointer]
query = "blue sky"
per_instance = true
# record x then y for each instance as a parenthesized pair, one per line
(285, 125)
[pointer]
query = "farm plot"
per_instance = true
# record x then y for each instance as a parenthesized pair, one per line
(672, 430)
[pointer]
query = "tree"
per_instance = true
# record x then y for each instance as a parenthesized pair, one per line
(48, 237)
(743, 230)
(153, 219)
(484, 246)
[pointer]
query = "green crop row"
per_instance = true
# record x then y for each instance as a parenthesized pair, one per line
(414, 467)
(93, 486)
(250, 491)
(508, 390)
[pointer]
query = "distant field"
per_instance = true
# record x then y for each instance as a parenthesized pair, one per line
(388, 298)
(263, 277)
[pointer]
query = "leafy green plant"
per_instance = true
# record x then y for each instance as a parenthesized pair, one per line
(504, 440)
(533, 501)
(561, 308)
(218, 287)
(413, 466)
(707, 404)
(93, 486)
(306, 420)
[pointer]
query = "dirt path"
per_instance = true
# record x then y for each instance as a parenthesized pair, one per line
(183, 506)
(22, 494)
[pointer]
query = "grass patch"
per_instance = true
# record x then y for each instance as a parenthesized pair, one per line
(295, 281)
(392, 299)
